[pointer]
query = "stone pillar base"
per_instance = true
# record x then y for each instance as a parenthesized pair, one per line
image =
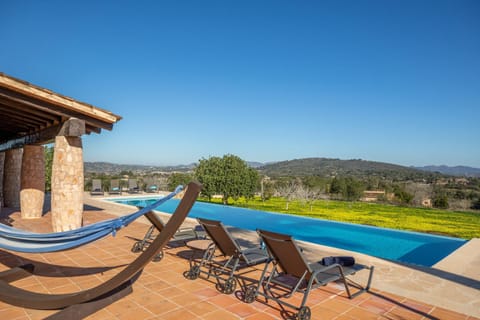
(11, 181)
(67, 184)
(32, 192)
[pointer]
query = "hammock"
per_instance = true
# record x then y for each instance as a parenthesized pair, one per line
(24, 241)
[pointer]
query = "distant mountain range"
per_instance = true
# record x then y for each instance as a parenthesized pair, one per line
(308, 166)
(113, 168)
(461, 171)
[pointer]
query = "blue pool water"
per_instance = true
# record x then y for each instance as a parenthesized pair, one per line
(402, 246)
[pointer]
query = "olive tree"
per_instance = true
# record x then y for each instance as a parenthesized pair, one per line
(267, 188)
(209, 173)
(229, 176)
(307, 195)
(288, 191)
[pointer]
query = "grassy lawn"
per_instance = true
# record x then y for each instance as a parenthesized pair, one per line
(443, 222)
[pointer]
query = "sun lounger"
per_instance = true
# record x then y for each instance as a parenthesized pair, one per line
(182, 235)
(115, 187)
(290, 272)
(231, 257)
(152, 188)
(133, 186)
(97, 189)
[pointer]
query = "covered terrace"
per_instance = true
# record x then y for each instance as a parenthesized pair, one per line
(30, 117)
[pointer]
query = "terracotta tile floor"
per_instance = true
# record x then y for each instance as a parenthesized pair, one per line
(162, 292)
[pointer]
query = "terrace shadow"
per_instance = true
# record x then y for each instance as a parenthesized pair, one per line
(51, 270)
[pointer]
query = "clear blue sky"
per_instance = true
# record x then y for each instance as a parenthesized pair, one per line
(390, 81)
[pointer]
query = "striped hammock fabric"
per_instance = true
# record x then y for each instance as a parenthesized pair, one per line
(24, 241)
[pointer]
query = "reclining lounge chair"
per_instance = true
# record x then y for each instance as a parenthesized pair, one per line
(80, 304)
(182, 235)
(115, 187)
(152, 188)
(97, 189)
(293, 273)
(232, 256)
(133, 186)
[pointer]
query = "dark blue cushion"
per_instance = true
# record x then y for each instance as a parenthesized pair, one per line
(341, 260)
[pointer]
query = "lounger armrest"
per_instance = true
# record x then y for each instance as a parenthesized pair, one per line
(184, 233)
(254, 249)
(185, 229)
(342, 271)
(255, 255)
(326, 268)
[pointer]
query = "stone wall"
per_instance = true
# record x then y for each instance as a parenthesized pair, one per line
(32, 191)
(67, 184)
(11, 178)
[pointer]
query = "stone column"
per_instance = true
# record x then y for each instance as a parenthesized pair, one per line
(2, 164)
(67, 184)
(32, 191)
(11, 178)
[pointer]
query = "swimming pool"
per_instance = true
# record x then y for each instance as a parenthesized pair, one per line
(403, 246)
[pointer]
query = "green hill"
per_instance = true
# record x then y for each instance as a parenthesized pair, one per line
(336, 167)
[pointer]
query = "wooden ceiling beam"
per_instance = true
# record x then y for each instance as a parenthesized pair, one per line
(27, 110)
(31, 114)
(30, 90)
(7, 115)
(71, 127)
(92, 129)
(51, 108)
(19, 118)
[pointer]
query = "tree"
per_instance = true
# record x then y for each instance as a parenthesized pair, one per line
(440, 200)
(178, 178)
(209, 174)
(250, 185)
(266, 188)
(229, 176)
(349, 188)
(402, 195)
(288, 191)
(48, 152)
(126, 173)
(315, 182)
(337, 186)
(307, 195)
(353, 189)
(420, 192)
(476, 204)
(372, 183)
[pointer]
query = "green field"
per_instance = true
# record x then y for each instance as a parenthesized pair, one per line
(464, 225)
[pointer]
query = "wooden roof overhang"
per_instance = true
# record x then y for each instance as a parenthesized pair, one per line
(33, 115)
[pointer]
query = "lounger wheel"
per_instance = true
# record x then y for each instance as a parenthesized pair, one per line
(137, 247)
(193, 273)
(158, 256)
(304, 313)
(229, 286)
(250, 294)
